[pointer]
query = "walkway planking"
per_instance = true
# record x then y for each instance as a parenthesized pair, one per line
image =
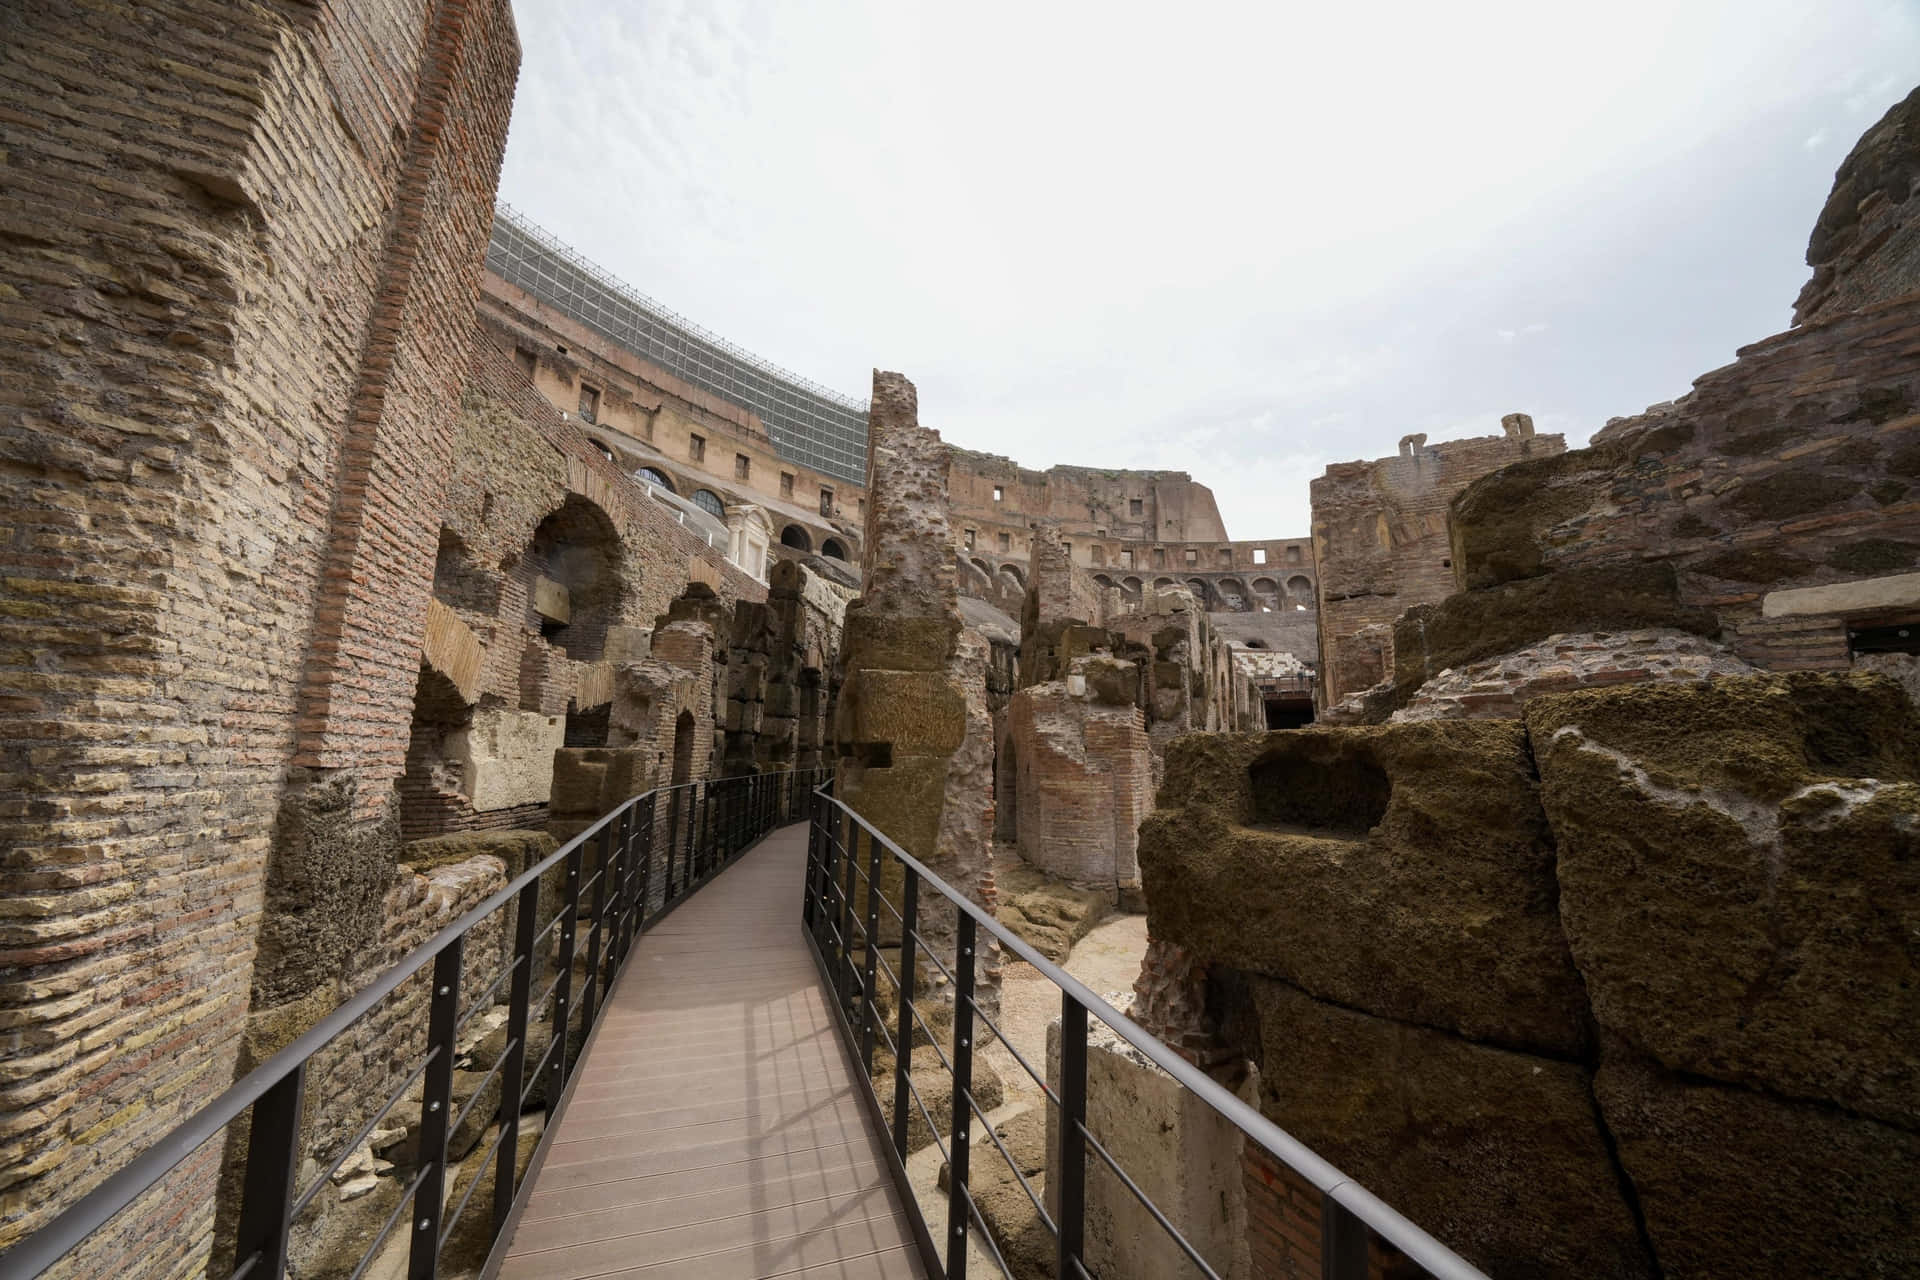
(715, 1130)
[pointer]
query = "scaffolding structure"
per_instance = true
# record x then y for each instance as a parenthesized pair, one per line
(810, 425)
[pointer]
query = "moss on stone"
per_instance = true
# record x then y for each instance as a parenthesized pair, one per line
(1793, 492)
(1873, 555)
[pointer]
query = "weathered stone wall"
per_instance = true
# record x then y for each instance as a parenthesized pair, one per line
(912, 729)
(1595, 1021)
(1381, 537)
(237, 278)
(1866, 244)
(1083, 774)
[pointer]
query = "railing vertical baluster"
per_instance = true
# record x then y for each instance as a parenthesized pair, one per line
(962, 1092)
(903, 1038)
(513, 1074)
(563, 983)
(273, 1164)
(1073, 1114)
(869, 1014)
(597, 914)
(1343, 1242)
(423, 1259)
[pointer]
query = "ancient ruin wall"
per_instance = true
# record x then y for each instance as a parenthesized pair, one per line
(1598, 1019)
(1381, 540)
(1866, 244)
(233, 375)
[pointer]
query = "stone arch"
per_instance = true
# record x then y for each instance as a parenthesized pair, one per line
(709, 501)
(796, 537)
(1233, 595)
(1014, 576)
(1201, 596)
(1103, 580)
(573, 580)
(430, 795)
(1257, 643)
(1131, 585)
(983, 567)
(1300, 590)
(1162, 583)
(833, 549)
(655, 476)
(1266, 594)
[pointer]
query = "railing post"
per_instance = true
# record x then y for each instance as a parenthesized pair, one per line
(563, 984)
(903, 1038)
(673, 837)
(597, 913)
(869, 1015)
(1073, 1115)
(1343, 1242)
(273, 1164)
(809, 909)
(631, 927)
(513, 1074)
(423, 1259)
(962, 1092)
(843, 968)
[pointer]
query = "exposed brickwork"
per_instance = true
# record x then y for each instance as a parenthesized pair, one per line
(237, 261)
(1866, 247)
(1381, 541)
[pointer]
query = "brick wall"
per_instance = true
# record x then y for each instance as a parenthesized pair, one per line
(237, 242)
(1381, 541)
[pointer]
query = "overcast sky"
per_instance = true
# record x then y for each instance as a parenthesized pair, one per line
(1240, 241)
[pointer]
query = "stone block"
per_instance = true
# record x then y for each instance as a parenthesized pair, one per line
(1405, 870)
(628, 644)
(1735, 871)
(506, 757)
(1738, 1183)
(875, 642)
(579, 782)
(1499, 1154)
(551, 601)
(916, 712)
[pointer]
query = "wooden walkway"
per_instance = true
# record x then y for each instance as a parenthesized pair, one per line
(715, 1130)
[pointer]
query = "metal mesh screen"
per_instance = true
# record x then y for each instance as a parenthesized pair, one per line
(809, 424)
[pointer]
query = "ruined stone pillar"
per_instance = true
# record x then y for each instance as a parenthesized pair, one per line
(914, 739)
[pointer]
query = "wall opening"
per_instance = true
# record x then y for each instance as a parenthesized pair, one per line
(833, 550)
(683, 730)
(1327, 788)
(796, 537)
(1006, 795)
(431, 801)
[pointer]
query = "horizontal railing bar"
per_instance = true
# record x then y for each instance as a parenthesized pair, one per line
(245, 1269)
(1017, 1055)
(305, 1197)
(480, 1090)
(1012, 1165)
(928, 949)
(485, 999)
(986, 1233)
(1385, 1222)
(486, 1162)
(406, 1203)
(1147, 1203)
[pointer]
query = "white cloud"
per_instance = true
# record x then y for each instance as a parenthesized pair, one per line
(1235, 240)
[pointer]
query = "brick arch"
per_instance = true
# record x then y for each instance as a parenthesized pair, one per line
(1300, 590)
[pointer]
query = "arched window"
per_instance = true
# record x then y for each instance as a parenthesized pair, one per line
(606, 451)
(1103, 579)
(653, 476)
(796, 537)
(1161, 584)
(832, 550)
(709, 501)
(1300, 590)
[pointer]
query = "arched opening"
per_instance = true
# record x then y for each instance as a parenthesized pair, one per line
(572, 579)
(606, 451)
(683, 729)
(429, 788)
(653, 475)
(709, 501)
(1256, 643)
(1131, 586)
(1006, 795)
(1266, 594)
(1161, 584)
(833, 550)
(983, 567)
(1011, 577)
(796, 537)
(1233, 595)
(1300, 590)
(1103, 580)
(1201, 596)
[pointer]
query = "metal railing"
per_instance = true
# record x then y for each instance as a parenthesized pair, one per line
(618, 878)
(842, 916)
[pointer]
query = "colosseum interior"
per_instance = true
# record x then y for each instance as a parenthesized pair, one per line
(1532, 837)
